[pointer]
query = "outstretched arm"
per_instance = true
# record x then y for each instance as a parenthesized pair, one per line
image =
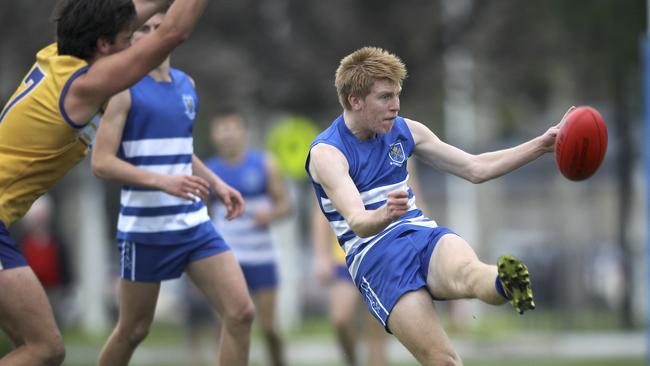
(329, 168)
(483, 167)
(107, 165)
(146, 8)
(113, 73)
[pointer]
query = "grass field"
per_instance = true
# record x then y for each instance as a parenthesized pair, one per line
(313, 345)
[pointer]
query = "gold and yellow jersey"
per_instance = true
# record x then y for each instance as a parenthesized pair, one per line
(38, 141)
(337, 252)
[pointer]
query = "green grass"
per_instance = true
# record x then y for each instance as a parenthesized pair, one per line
(488, 325)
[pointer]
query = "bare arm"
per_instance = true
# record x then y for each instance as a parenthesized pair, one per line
(278, 193)
(146, 8)
(483, 167)
(114, 73)
(107, 165)
(329, 168)
(322, 237)
(230, 197)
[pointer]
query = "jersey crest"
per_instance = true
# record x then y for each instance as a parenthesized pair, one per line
(190, 110)
(396, 154)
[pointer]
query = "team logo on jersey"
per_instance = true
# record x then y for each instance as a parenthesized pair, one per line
(396, 154)
(190, 109)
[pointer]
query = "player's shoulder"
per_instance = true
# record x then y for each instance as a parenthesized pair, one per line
(178, 74)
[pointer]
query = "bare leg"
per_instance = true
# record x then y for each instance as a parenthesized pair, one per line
(220, 278)
(137, 308)
(415, 323)
(344, 298)
(455, 272)
(26, 316)
(376, 337)
(265, 305)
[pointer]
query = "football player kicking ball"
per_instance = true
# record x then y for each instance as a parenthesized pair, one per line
(400, 259)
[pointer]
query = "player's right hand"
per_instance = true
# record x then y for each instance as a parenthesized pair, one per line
(397, 204)
(190, 187)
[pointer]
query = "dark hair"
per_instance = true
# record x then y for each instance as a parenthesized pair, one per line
(80, 23)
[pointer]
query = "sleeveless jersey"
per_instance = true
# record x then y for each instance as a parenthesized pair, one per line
(250, 243)
(157, 136)
(38, 141)
(377, 167)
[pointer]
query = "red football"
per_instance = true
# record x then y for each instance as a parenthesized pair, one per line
(581, 143)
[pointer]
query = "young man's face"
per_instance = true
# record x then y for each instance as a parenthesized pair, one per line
(381, 106)
(229, 134)
(121, 42)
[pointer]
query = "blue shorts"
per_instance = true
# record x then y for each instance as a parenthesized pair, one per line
(260, 276)
(395, 265)
(10, 255)
(341, 273)
(155, 263)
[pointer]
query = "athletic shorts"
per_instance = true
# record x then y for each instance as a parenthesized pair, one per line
(155, 263)
(260, 276)
(10, 255)
(395, 265)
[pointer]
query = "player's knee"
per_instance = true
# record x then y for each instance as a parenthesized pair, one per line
(135, 334)
(241, 316)
(444, 359)
(51, 352)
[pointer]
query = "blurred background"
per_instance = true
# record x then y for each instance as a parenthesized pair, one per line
(483, 75)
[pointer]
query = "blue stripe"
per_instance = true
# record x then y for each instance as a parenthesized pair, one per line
(203, 232)
(409, 215)
(161, 211)
(335, 216)
(77, 73)
(140, 189)
(160, 159)
(346, 236)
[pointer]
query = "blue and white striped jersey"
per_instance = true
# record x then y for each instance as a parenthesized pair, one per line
(157, 136)
(250, 242)
(377, 167)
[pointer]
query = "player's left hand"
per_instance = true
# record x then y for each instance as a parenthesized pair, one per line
(231, 198)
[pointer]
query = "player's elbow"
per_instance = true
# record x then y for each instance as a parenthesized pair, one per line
(98, 166)
(175, 34)
(476, 173)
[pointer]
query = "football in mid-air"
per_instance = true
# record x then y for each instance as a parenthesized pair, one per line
(581, 143)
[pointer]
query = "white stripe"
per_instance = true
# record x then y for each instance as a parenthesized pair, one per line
(162, 223)
(255, 257)
(157, 147)
(417, 221)
(376, 299)
(133, 262)
(374, 195)
(185, 168)
(246, 240)
(150, 199)
(353, 243)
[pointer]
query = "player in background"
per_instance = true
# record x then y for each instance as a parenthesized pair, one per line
(163, 230)
(47, 127)
(256, 175)
(344, 298)
(400, 259)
